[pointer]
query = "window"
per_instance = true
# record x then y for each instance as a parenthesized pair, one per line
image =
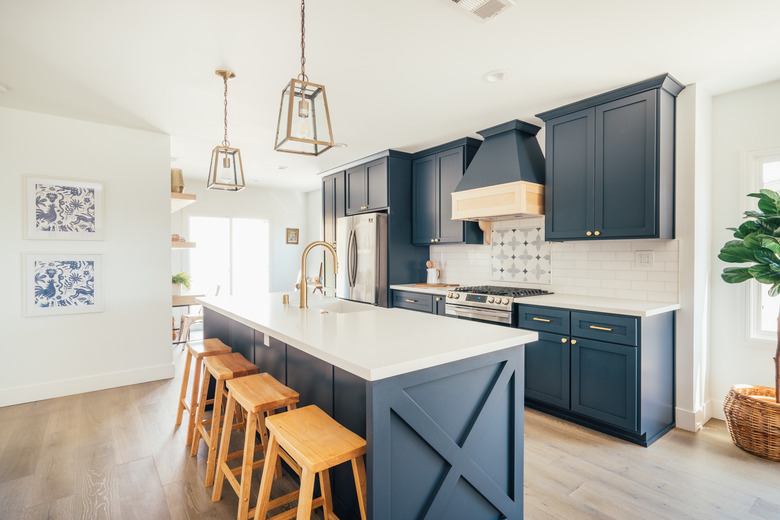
(232, 253)
(764, 167)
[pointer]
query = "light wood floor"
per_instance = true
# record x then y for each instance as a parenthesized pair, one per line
(116, 454)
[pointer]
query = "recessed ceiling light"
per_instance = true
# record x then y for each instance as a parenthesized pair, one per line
(3, 89)
(340, 145)
(496, 76)
(281, 167)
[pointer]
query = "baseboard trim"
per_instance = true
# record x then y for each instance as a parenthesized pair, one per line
(693, 420)
(63, 387)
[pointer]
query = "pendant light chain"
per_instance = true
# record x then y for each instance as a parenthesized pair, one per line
(302, 76)
(225, 142)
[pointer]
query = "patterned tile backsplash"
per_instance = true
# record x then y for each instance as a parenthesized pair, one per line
(520, 255)
(595, 268)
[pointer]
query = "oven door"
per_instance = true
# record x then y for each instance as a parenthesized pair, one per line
(483, 315)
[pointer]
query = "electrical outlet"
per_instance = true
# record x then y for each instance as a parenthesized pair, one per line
(644, 259)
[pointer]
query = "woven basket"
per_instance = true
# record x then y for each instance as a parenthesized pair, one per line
(754, 424)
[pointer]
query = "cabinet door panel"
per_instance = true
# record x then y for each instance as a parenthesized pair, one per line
(271, 358)
(603, 382)
(547, 370)
(570, 176)
(449, 166)
(329, 209)
(423, 201)
(356, 189)
(376, 184)
(626, 192)
(439, 305)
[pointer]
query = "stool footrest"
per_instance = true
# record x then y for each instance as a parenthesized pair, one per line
(292, 513)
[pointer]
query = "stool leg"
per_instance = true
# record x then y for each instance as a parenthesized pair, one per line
(216, 420)
(264, 441)
(359, 471)
(184, 381)
(306, 495)
(204, 390)
(224, 448)
(194, 399)
(264, 495)
(246, 467)
(327, 499)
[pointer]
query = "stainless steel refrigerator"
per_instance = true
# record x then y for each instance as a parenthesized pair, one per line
(361, 245)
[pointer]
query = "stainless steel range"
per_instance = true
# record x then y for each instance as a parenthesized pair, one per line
(488, 303)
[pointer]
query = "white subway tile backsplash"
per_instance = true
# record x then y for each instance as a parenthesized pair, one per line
(598, 268)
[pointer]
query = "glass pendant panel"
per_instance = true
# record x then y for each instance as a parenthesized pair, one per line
(304, 120)
(226, 171)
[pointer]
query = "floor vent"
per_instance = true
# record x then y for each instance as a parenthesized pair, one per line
(484, 9)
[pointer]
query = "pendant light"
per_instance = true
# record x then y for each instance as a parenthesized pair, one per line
(225, 170)
(304, 120)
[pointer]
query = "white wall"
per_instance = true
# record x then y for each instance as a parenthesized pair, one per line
(693, 226)
(284, 209)
(741, 121)
(51, 356)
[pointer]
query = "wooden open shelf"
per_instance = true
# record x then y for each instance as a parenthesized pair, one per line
(179, 200)
(182, 245)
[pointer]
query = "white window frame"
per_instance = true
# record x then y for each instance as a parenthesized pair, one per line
(754, 162)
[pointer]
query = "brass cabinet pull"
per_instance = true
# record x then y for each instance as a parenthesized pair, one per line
(601, 328)
(411, 301)
(363, 207)
(541, 319)
(597, 233)
(433, 240)
(588, 233)
(564, 340)
(574, 342)
(438, 299)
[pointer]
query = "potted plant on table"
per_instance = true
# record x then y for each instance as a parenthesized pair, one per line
(753, 412)
(177, 280)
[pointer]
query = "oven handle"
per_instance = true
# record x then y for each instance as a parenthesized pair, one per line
(479, 314)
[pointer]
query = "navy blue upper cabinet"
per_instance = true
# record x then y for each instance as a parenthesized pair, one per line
(367, 187)
(333, 207)
(610, 164)
(436, 172)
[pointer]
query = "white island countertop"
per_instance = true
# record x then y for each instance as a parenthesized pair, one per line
(370, 342)
(640, 308)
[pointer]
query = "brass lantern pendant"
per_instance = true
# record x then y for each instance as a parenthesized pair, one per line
(225, 170)
(304, 120)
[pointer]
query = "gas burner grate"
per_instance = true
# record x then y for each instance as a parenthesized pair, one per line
(496, 290)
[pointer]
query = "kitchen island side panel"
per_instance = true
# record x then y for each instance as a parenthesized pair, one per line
(447, 442)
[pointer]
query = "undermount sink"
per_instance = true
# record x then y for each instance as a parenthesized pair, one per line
(339, 306)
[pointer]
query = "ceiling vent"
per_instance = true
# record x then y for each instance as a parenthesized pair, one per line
(482, 10)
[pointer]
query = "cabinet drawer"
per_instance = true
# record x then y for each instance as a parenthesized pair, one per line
(413, 301)
(605, 327)
(543, 319)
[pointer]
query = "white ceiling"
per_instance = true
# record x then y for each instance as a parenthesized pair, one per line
(403, 74)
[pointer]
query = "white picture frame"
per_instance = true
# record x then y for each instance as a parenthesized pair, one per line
(62, 283)
(63, 209)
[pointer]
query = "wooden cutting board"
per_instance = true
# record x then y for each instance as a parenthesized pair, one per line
(436, 285)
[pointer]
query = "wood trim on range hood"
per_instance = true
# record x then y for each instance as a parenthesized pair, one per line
(512, 200)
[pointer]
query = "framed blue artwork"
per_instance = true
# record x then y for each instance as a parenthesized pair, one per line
(63, 209)
(62, 283)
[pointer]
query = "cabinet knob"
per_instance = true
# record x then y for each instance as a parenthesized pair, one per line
(438, 299)
(433, 240)
(597, 233)
(564, 340)
(588, 233)
(363, 207)
(574, 342)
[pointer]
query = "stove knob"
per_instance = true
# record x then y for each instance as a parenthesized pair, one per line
(456, 295)
(491, 299)
(506, 301)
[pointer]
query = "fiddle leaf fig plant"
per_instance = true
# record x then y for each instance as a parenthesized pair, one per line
(757, 241)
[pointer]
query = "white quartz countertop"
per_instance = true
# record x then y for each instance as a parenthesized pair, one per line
(370, 342)
(578, 302)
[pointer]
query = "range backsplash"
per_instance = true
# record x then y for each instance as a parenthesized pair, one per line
(594, 268)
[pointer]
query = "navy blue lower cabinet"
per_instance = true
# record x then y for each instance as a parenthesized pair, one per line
(603, 382)
(271, 357)
(312, 378)
(547, 370)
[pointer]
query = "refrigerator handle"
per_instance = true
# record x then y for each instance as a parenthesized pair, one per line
(348, 269)
(353, 251)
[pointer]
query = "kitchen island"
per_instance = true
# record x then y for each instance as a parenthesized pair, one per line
(439, 401)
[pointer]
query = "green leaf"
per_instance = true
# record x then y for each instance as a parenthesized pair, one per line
(746, 228)
(764, 274)
(736, 274)
(754, 214)
(766, 256)
(774, 290)
(771, 243)
(736, 254)
(771, 194)
(752, 241)
(768, 206)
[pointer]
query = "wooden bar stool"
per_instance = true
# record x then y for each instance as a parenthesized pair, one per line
(316, 443)
(258, 395)
(196, 350)
(221, 368)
